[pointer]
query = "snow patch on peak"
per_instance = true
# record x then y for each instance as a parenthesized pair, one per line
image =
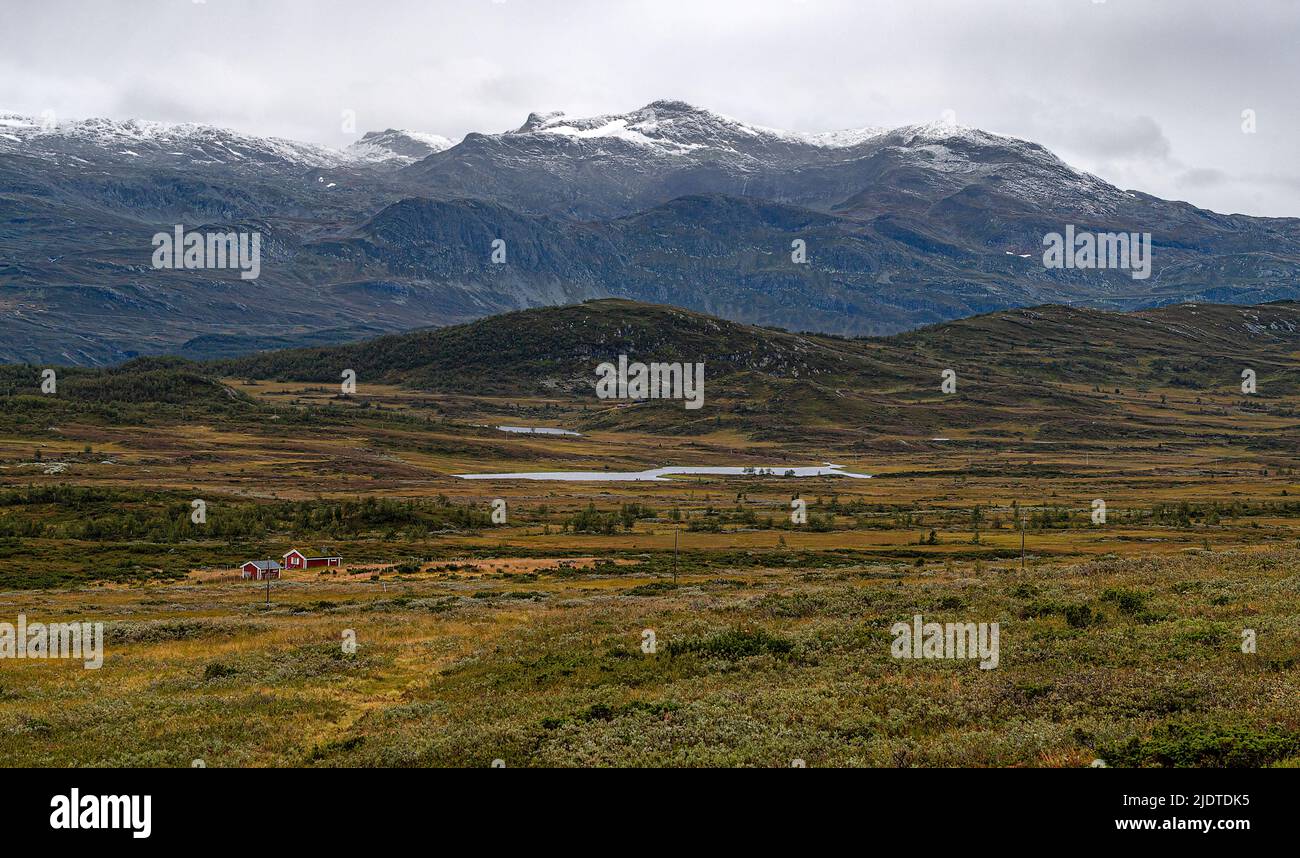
(433, 141)
(17, 120)
(843, 139)
(676, 127)
(946, 132)
(398, 146)
(675, 107)
(619, 129)
(538, 121)
(138, 138)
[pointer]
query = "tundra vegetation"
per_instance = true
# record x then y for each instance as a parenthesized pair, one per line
(523, 641)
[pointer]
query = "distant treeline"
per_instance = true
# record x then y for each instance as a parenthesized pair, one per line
(157, 392)
(140, 393)
(592, 520)
(77, 512)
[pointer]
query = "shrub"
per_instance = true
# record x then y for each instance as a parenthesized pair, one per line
(217, 670)
(1082, 616)
(733, 644)
(1184, 745)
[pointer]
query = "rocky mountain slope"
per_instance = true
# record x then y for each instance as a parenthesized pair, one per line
(669, 203)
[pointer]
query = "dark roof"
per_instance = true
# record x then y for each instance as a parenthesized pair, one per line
(319, 555)
(262, 564)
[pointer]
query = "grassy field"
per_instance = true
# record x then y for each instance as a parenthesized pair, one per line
(522, 642)
(1134, 661)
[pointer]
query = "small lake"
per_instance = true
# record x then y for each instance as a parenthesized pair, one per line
(537, 430)
(661, 474)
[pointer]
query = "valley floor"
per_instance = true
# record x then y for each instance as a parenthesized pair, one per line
(1134, 661)
(1122, 640)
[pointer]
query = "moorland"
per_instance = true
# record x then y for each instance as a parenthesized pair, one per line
(522, 641)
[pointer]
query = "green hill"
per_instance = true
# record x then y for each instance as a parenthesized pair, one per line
(1062, 371)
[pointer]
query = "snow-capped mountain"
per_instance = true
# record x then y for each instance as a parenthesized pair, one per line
(397, 146)
(667, 203)
(675, 127)
(183, 144)
(189, 144)
(617, 164)
(650, 154)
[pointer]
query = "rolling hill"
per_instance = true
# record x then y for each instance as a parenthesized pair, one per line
(1051, 372)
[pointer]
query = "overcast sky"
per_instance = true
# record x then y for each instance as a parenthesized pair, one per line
(1148, 94)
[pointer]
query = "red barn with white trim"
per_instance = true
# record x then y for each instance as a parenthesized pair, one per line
(295, 559)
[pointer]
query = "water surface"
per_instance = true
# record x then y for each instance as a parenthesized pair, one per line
(660, 474)
(537, 430)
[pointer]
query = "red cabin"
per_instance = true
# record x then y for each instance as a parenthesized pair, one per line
(260, 570)
(296, 559)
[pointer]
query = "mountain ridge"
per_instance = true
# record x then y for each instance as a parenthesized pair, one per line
(899, 228)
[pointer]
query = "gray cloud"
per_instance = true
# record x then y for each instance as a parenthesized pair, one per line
(1121, 137)
(1203, 177)
(1146, 94)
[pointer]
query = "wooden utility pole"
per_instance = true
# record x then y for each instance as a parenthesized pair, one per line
(268, 591)
(676, 530)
